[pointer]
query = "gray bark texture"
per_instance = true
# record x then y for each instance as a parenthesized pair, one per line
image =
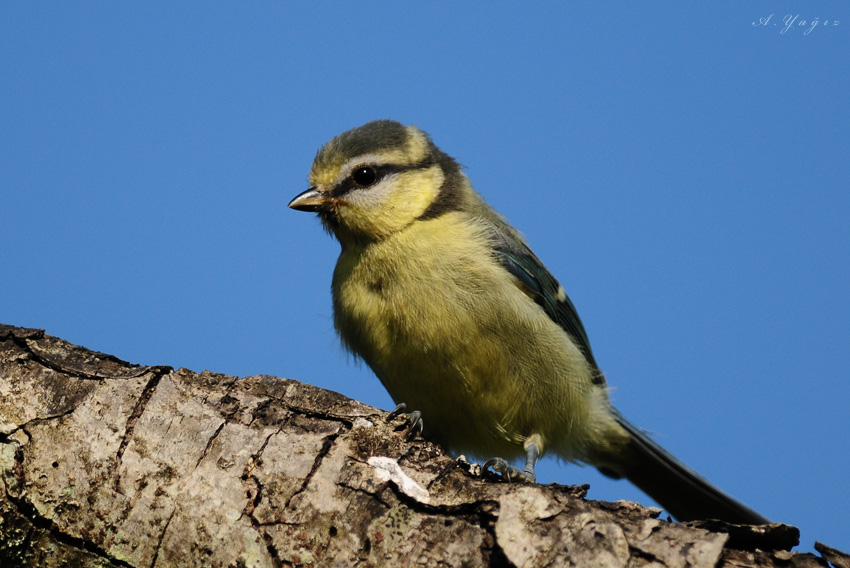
(105, 463)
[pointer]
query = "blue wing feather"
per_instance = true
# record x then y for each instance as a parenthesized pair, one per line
(542, 287)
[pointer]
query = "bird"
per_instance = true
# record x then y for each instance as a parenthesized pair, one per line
(444, 300)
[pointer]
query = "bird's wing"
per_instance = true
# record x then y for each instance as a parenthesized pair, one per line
(542, 287)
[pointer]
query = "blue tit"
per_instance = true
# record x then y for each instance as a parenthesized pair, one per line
(459, 319)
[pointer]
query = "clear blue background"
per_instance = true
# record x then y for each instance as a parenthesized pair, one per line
(683, 172)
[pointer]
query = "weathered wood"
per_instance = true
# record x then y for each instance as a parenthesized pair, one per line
(104, 463)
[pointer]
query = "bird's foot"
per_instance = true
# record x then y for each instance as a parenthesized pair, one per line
(510, 472)
(417, 424)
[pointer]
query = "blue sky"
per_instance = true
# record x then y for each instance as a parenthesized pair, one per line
(682, 171)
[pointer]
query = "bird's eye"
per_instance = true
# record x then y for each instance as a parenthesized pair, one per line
(365, 176)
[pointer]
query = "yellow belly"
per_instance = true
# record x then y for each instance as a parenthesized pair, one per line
(449, 333)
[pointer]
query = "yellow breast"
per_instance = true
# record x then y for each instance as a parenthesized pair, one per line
(449, 333)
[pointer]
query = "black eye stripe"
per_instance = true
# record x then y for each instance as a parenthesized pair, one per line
(381, 171)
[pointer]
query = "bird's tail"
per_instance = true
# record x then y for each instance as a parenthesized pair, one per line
(679, 489)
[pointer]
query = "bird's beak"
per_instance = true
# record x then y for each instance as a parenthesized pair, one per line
(310, 200)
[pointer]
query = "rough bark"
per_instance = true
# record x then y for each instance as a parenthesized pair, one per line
(104, 463)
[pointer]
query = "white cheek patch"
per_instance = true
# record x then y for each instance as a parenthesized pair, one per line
(373, 197)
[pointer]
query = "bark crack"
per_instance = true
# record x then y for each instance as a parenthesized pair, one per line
(453, 465)
(211, 441)
(248, 477)
(648, 557)
(308, 412)
(23, 427)
(328, 443)
(144, 398)
(227, 417)
(25, 343)
(485, 513)
(162, 537)
(30, 512)
(248, 473)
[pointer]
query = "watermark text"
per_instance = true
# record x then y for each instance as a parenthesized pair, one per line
(791, 23)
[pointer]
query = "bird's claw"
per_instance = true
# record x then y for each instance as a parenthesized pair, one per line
(417, 424)
(508, 471)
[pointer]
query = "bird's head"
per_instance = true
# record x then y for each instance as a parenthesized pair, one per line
(377, 179)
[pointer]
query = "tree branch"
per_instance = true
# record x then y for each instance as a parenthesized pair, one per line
(105, 463)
